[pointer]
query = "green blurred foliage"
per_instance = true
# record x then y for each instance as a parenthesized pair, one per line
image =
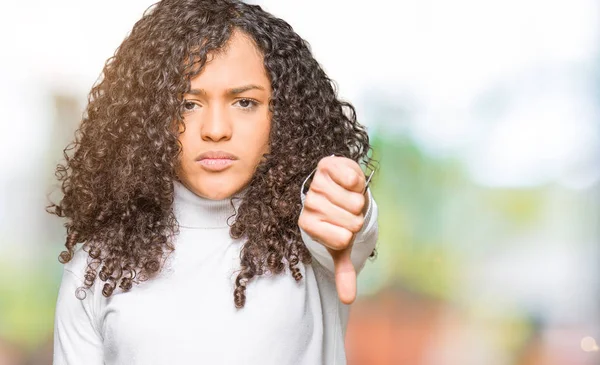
(27, 300)
(432, 217)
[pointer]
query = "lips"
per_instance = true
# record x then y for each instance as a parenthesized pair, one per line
(216, 155)
(216, 161)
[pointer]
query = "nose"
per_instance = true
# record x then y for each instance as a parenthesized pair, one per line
(217, 125)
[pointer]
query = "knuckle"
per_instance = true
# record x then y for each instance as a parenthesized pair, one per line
(357, 204)
(342, 241)
(309, 201)
(323, 163)
(337, 244)
(352, 179)
(347, 236)
(304, 222)
(318, 185)
(357, 224)
(302, 216)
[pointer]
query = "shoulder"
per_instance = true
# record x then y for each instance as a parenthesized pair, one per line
(79, 262)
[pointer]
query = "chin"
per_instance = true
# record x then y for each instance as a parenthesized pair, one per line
(214, 187)
(214, 192)
(219, 195)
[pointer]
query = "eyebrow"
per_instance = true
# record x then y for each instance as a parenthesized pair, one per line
(232, 91)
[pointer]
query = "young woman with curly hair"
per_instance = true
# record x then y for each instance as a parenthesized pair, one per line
(193, 233)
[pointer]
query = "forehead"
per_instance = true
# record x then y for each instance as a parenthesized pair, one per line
(239, 62)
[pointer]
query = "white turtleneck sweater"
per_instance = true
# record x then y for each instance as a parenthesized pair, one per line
(186, 315)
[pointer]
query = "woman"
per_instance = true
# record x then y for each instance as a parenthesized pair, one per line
(185, 198)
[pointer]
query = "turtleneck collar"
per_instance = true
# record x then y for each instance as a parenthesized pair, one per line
(194, 211)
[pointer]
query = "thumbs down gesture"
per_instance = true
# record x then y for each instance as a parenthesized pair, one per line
(333, 213)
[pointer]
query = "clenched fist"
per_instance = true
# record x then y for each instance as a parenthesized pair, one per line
(333, 213)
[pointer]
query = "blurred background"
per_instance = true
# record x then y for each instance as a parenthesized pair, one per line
(484, 118)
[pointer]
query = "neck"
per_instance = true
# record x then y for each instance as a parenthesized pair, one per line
(194, 211)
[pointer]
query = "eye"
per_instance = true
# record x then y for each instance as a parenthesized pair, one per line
(247, 104)
(188, 106)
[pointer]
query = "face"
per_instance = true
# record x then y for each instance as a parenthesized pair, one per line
(227, 121)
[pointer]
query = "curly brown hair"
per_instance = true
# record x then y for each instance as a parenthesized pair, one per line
(118, 176)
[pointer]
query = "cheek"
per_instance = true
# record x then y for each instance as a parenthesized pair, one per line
(186, 152)
(258, 131)
(187, 142)
(265, 135)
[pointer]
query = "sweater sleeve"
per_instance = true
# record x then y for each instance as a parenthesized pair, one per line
(365, 240)
(76, 338)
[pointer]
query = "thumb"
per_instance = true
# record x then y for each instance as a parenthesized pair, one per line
(345, 275)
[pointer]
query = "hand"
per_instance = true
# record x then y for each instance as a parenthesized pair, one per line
(333, 213)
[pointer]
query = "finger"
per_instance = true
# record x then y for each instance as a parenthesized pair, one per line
(347, 177)
(350, 201)
(344, 172)
(329, 235)
(326, 211)
(345, 275)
